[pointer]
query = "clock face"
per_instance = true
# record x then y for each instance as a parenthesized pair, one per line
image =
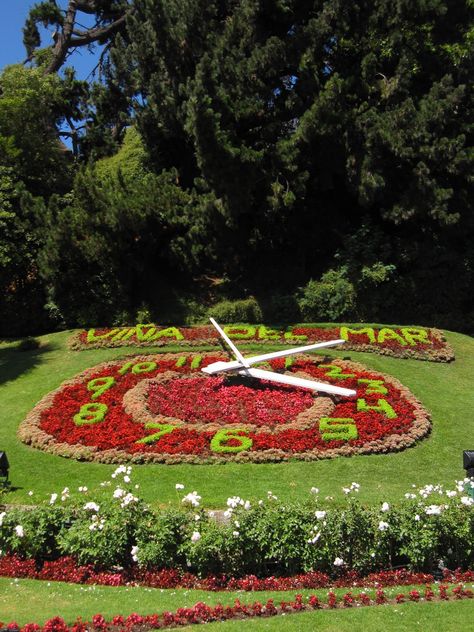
(162, 408)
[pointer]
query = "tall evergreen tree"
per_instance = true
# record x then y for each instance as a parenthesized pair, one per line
(302, 121)
(33, 166)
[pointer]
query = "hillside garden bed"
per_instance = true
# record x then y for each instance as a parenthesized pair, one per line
(402, 342)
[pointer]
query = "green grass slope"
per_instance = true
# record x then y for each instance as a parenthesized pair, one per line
(445, 389)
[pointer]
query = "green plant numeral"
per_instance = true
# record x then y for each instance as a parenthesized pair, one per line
(374, 386)
(143, 367)
(196, 362)
(332, 428)
(140, 367)
(332, 370)
(219, 440)
(91, 413)
(99, 385)
(382, 407)
(163, 429)
(125, 368)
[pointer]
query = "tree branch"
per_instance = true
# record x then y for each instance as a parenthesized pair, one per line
(61, 45)
(69, 36)
(100, 62)
(99, 33)
(87, 6)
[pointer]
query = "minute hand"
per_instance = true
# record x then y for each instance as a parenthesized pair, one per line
(217, 367)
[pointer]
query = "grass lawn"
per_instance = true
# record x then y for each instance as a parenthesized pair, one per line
(445, 389)
(25, 600)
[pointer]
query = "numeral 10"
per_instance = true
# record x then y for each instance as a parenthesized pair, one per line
(137, 368)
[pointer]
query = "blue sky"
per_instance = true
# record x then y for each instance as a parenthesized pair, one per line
(12, 18)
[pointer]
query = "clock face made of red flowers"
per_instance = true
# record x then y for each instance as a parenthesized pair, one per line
(162, 409)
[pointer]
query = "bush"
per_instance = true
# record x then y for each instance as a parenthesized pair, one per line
(332, 298)
(28, 344)
(241, 311)
(33, 533)
(104, 537)
(159, 539)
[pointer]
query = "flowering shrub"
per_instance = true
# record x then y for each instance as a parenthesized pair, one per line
(160, 408)
(410, 342)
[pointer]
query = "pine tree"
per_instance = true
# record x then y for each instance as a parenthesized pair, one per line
(295, 120)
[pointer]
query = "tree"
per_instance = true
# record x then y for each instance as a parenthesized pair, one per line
(21, 294)
(33, 166)
(301, 121)
(32, 107)
(117, 243)
(283, 141)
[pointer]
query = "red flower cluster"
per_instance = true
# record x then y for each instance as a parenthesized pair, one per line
(214, 400)
(281, 423)
(202, 613)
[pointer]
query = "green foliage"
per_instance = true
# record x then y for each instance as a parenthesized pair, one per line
(45, 12)
(281, 308)
(29, 106)
(332, 298)
(216, 550)
(39, 533)
(32, 167)
(240, 311)
(272, 143)
(128, 163)
(160, 538)
(107, 544)
(120, 222)
(293, 130)
(102, 531)
(21, 294)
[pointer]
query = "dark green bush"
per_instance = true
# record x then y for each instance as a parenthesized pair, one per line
(240, 311)
(332, 298)
(34, 533)
(160, 539)
(282, 308)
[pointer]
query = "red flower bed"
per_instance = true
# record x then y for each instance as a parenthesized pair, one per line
(161, 408)
(66, 569)
(214, 399)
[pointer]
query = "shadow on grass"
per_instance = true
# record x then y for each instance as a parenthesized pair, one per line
(14, 362)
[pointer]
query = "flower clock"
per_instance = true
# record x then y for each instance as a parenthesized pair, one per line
(162, 408)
